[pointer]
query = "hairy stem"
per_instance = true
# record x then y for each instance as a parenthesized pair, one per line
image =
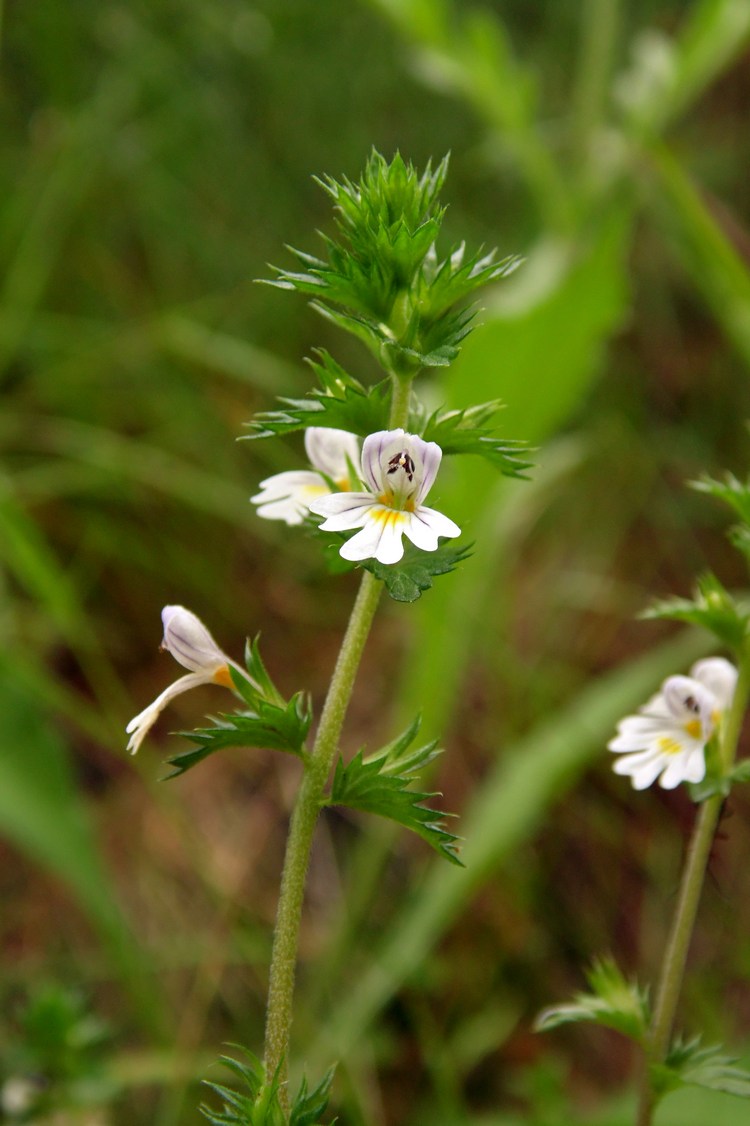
(308, 803)
(304, 817)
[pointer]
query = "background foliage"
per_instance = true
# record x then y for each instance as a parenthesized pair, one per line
(155, 157)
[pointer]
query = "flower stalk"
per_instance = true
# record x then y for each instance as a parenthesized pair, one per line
(683, 923)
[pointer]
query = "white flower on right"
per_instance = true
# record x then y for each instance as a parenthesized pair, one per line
(287, 496)
(667, 739)
(398, 469)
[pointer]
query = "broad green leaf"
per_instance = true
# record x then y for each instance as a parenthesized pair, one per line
(713, 263)
(407, 580)
(576, 299)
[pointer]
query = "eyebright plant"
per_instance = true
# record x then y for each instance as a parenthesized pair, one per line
(687, 733)
(374, 452)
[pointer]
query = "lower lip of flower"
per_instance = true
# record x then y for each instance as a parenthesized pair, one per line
(669, 746)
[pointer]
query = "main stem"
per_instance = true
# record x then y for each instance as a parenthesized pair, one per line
(675, 955)
(308, 804)
(304, 817)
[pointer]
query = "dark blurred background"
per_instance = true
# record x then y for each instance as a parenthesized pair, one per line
(155, 157)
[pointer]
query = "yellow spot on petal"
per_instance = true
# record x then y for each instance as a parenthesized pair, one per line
(223, 677)
(669, 746)
(386, 516)
(694, 728)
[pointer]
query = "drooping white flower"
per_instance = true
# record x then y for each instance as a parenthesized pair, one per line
(287, 496)
(398, 470)
(667, 739)
(190, 643)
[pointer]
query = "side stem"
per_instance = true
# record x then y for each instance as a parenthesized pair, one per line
(675, 955)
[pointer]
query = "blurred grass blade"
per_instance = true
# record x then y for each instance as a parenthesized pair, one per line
(510, 804)
(42, 814)
(467, 50)
(35, 229)
(226, 354)
(711, 261)
(575, 298)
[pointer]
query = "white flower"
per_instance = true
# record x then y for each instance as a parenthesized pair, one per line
(287, 496)
(190, 643)
(398, 469)
(667, 739)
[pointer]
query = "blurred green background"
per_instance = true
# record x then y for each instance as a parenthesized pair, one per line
(154, 158)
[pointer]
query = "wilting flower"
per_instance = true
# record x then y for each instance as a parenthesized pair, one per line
(667, 739)
(398, 470)
(190, 643)
(287, 496)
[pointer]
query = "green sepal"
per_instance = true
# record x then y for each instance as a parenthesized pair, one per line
(613, 1002)
(689, 1065)
(259, 673)
(407, 580)
(712, 607)
(466, 432)
(341, 402)
(271, 726)
(379, 783)
(260, 1106)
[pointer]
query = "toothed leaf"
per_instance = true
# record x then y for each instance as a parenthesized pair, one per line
(380, 783)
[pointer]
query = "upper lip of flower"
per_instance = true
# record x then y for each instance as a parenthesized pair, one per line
(191, 644)
(667, 738)
(398, 470)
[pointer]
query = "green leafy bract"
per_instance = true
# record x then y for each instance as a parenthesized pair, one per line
(261, 1106)
(407, 580)
(270, 721)
(466, 432)
(341, 402)
(613, 1002)
(380, 784)
(688, 1064)
(712, 607)
(383, 280)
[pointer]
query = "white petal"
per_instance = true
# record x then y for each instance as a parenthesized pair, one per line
(675, 771)
(141, 724)
(343, 510)
(644, 768)
(429, 456)
(379, 539)
(331, 450)
(426, 525)
(719, 676)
